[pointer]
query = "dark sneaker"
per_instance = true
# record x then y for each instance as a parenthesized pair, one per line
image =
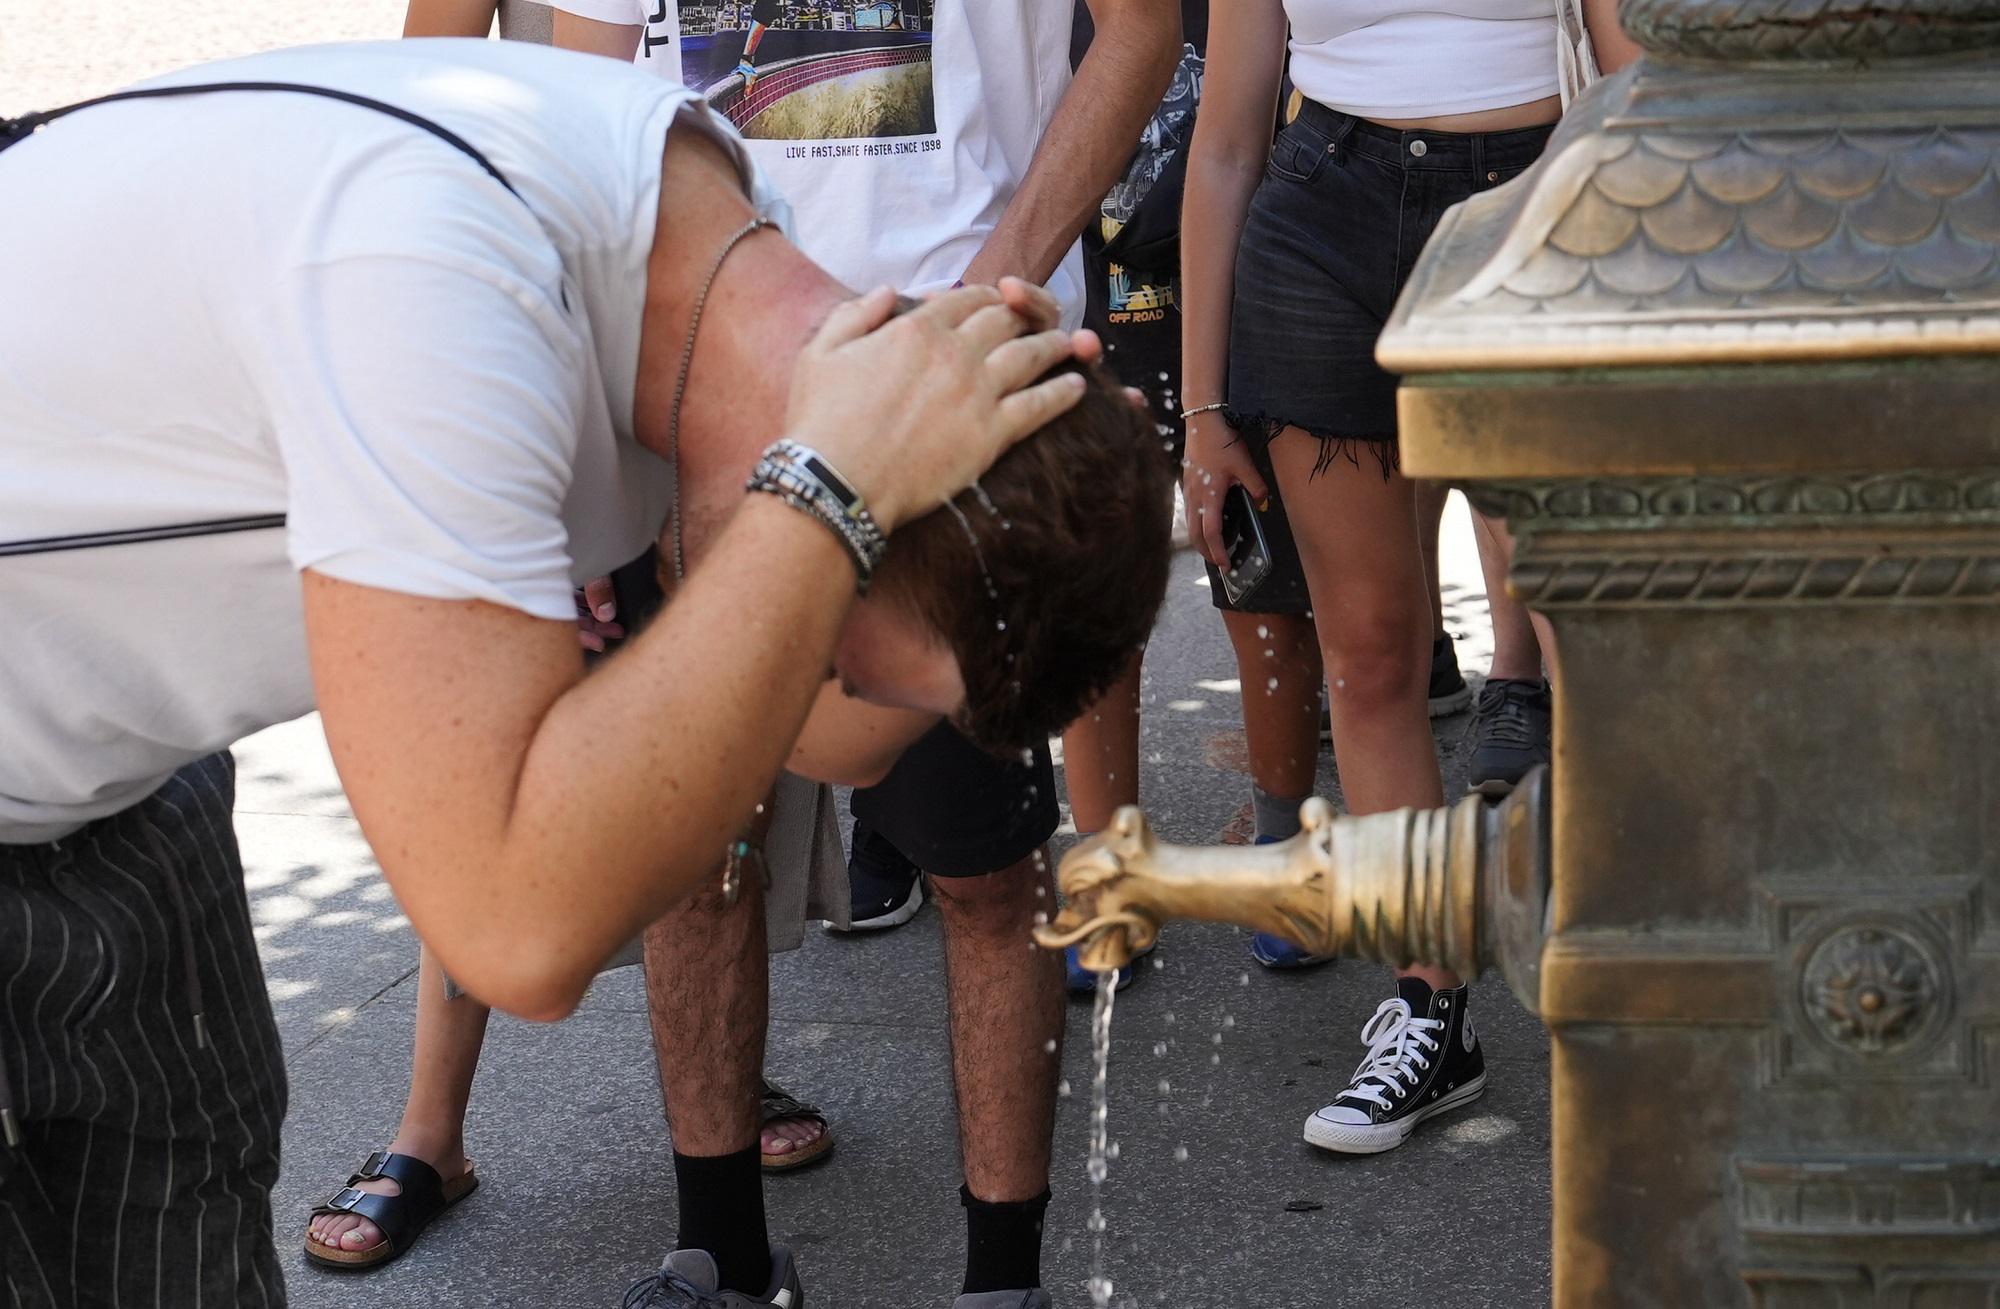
(1082, 982)
(884, 889)
(1510, 733)
(688, 1280)
(1449, 693)
(1423, 1059)
(1276, 952)
(1035, 1299)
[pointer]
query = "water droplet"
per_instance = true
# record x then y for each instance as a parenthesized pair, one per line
(1001, 625)
(1217, 1038)
(1159, 1049)
(1168, 1018)
(1166, 377)
(1263, 633)
(1112, 1151)
(1228, 1021)
(1041, 917)
(1166, 1087)
(1049, 1047)
(1269, 686)
(1215, 1059)
(1180, 1154)
(1062, 1088)
(1159, 964)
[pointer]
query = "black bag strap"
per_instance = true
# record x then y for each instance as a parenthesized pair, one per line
(13, 130)
(19, 129)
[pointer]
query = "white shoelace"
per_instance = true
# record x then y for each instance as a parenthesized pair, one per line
(1397, 1042)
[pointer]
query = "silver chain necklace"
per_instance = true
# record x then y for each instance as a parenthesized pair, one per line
(741, 851)
(680, 383)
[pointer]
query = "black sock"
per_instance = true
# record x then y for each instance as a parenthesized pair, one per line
(722, 1212)
(1003, 1243)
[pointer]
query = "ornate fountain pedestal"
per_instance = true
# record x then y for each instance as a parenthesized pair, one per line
(1728, 368)
(1728, 363)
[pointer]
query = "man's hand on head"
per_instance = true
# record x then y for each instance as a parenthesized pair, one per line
(911, 409)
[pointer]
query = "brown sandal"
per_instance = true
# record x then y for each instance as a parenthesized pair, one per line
(779, 1103)
(402, 1218)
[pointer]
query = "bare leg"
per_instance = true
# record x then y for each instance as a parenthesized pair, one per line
(1431, 497)
(1280, 722)
(1523, 643)
(708, 994)
(1357, 537)
(449, 1036)
(1101, 754)
(1006, 1003)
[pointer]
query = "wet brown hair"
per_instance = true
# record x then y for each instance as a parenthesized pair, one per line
(1045, 578)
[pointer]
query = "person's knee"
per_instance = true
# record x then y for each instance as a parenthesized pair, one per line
(991, 897)
(1375, 662)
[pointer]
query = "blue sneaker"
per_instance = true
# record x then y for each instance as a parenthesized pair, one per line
(1275, 952)
(1083, 982)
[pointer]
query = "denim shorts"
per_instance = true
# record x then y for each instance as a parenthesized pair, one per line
(1334, 229)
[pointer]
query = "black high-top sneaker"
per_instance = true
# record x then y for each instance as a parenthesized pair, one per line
(1423, 1058)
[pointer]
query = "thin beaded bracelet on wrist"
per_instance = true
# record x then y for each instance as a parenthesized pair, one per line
(1204, 409)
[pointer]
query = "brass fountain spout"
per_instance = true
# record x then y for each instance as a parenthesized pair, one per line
(1464, 887)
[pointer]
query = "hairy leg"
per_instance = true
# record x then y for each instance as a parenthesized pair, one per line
(708, 995)
(1006, 1002)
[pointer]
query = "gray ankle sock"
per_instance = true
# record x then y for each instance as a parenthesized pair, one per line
(1277, 818)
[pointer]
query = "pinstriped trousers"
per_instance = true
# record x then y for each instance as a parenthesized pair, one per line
(147, 1155)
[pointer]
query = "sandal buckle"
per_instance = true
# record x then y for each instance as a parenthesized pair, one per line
(345, 1199)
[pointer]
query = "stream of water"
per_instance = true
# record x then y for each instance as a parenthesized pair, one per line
(1100, 1145)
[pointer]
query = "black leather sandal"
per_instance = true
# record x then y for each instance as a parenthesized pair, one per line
(777, 1103)
(401, 1218)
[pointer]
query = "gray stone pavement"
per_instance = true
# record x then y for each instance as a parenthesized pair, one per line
(566, 1128)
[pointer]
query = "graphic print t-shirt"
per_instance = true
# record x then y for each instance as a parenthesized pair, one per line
(898, 129)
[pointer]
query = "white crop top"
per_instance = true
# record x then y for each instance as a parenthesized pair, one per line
(1423, 58)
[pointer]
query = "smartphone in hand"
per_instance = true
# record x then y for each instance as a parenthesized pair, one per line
(1249, 553)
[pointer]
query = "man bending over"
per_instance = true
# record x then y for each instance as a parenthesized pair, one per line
(305, 402)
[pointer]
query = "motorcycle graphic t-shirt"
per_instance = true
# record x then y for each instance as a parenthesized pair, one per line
(898, 129)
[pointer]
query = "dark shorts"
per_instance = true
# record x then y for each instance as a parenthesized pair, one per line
(956, 811)
(1334, 229)
(1138, 315)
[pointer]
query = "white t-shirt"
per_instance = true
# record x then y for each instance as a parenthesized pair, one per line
(254, 303)
(898, 129)
(1394, 59)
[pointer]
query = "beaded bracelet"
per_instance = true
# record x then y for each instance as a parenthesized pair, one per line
(803, 479)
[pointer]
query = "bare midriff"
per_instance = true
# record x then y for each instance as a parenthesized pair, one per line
(1535, 113)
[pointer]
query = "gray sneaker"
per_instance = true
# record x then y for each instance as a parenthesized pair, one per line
(1035, 1299)
(1510, 734)
(688, 1280)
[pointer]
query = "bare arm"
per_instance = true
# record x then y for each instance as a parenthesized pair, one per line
(528, 818)
(449, 17)
(1096, 127)
(618, 40)
(1614, 48)
(531, 820)
(1232, 138)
